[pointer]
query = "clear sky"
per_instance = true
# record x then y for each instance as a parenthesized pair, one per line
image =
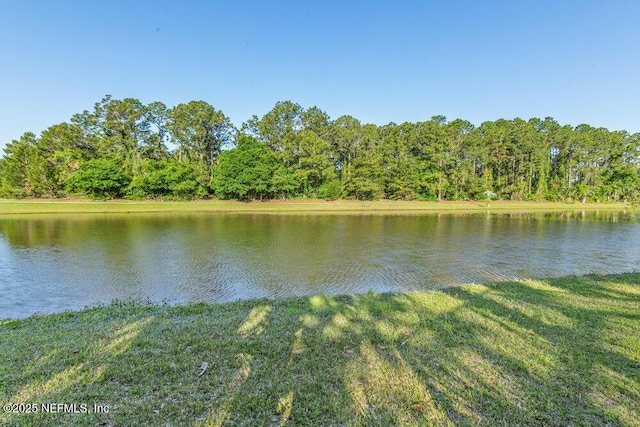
(575, 60)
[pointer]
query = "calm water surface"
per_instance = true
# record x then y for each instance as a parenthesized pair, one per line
(54, 263)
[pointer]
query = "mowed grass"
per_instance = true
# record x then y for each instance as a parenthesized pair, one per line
(39, 206)
(547, 352)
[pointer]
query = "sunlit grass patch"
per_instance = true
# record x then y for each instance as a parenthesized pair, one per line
(65, 206)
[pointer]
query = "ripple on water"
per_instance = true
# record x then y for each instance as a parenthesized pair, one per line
(220, 258)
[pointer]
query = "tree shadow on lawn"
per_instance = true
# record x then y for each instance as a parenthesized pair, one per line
(607, 288)
(572, 349)
(534, 352)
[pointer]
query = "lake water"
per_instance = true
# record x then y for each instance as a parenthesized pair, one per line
(54, 263)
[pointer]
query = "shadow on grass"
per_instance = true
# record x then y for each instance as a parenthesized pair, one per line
(556, 352)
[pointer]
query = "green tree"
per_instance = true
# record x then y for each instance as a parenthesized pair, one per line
(122, 130)
(154, 145)
(200, 132)
(101, 178)
(431, 144)
(25, 171)
(399, 166)
(366, 182)
(314, 166)
(297, 138)
(64, 147)
(462, 161)
(245, 172)
(166, 179)
(317, 121)
(278, 128)
(345, 135)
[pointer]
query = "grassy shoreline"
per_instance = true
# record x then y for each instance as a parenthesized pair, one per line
(547, 352)
(37, 206)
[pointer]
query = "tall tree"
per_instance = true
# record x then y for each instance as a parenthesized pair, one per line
(124, 128)
(154, 145)
(278, 128)
(201, 132)
(345, 135)
(65, 148)
(314, 166)
(24, 170)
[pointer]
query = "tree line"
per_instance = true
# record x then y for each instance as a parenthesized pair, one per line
(126, 149)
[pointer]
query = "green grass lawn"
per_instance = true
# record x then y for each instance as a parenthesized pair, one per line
(549, 352)
(39, 206)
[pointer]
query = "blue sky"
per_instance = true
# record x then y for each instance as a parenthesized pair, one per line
(577, 61)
